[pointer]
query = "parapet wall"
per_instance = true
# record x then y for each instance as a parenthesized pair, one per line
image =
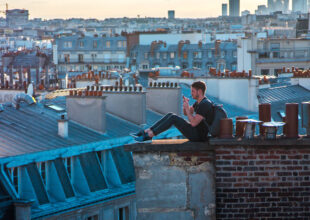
(254, 182)
(244, 179)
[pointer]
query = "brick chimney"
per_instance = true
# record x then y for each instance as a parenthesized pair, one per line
(89, 111)
(164, 98)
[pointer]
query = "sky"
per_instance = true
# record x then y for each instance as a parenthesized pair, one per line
(101, 9)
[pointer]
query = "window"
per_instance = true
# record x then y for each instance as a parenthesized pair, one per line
(233, 67)
(145, 66)
(263, 55)
(276, 54)
(123, 213)
(67, 58)
(209, 54)
(93, 217)
(157, 55)
(95, 44)
(172, 55)
(93, 56)
(146, 55)
(81, 58)
(119, 43)
(235, 54)
(67, 44)
(67, 162)
(164, 56)
(299, 53)
(42, 170)
(265, 72)
(124, 44)
(108, 44)
(185, 55)
(197, 64)
(197, 55)
(223, 54)
(81, 44)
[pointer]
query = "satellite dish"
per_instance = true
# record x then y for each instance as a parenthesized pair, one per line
(30, 89)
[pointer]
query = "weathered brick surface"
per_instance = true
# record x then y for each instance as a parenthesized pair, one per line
(262, 182)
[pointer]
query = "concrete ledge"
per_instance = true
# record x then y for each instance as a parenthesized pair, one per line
(183, 145)
(169, 145)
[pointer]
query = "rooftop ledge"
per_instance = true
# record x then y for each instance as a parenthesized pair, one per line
(181, 145)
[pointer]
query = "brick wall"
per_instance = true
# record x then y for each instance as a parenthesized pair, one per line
(262, 182)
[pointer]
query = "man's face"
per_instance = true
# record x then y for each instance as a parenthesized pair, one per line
(194, 93)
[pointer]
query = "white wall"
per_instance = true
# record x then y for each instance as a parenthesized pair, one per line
(225, 37)
(238, 92)
(304, 82)
(244, 61)
(194, 38)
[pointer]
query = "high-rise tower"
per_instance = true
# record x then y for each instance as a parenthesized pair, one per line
(234, 8)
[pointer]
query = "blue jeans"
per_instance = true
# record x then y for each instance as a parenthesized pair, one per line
(182, 125)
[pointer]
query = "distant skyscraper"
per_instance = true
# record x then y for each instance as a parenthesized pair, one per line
(171, 14)
(224, 9)
(300, 5)
(278, 5)
(234, 7)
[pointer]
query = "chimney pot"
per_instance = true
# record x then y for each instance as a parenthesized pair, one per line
(264, 115)
(226, 128)
(155, 84)
(63, 127)
(291, 120)
(87, 88)
(240, 126)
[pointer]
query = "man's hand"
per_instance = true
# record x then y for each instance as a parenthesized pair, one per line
(185, 105)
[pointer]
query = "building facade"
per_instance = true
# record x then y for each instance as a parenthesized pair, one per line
(300, 6)
(221, 55)
(171, 14)
(16, 17)
(224, 9)
(269, 56)
(76, 53)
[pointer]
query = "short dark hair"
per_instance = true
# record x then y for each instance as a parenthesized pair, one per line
(200, 85)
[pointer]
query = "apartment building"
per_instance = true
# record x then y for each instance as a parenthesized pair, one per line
(221, 55)
(269, 56)
(83, 53)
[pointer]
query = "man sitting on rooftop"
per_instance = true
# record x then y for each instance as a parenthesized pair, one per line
(200, 117)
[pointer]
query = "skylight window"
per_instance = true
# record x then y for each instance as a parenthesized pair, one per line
(55, 108)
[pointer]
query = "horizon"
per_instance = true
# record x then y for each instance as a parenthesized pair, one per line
(101, 10)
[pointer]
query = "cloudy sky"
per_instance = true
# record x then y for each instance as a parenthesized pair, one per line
(124, 8)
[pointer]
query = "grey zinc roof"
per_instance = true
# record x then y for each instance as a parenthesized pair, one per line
(283, 94)
(33, 129)
(26, 60)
